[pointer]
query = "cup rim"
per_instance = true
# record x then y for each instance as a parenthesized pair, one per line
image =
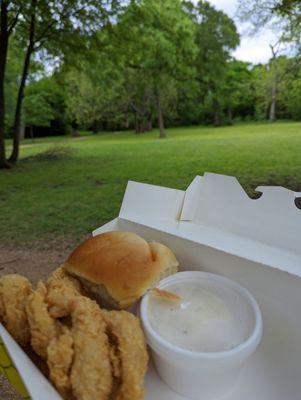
(247, 346)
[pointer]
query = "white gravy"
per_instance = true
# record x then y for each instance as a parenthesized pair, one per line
(201, 321)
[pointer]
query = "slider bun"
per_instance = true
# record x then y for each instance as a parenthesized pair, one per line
(117, 268)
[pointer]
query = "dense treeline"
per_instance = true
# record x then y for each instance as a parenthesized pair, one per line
(149, 63)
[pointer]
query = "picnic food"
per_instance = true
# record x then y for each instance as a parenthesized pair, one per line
(14, 291)
(203, 319)
(127, 340)
(90, 352)
(43, 328)
(119, 267)
(59, 360)
(165, 295)
(91, 375)
(61, 287)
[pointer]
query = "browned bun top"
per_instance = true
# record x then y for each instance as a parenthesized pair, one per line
(123, 262)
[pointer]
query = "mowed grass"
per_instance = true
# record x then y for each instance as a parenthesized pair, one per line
(77, 192)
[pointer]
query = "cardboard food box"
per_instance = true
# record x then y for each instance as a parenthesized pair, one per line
(214, 226)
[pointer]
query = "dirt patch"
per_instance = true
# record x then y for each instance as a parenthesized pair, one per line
(34, 263)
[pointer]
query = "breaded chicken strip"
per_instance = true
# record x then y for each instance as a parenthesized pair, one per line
(43, 327)
(127, 339)
(14, 292)
(61, 288)
(91, 375)
(59, 360)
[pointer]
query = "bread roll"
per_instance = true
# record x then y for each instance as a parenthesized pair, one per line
(119, 267)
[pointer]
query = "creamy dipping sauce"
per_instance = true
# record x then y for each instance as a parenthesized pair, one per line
(205, 319)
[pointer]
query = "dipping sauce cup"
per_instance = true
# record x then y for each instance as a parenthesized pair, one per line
(195, 371)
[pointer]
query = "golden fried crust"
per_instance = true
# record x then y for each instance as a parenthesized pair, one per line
(126, 335)
(14, 292)
(91, 375)
(2, 309)
(61, 288)
(59, 360)
(43, 327)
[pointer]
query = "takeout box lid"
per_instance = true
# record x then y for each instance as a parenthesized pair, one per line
(216, 211)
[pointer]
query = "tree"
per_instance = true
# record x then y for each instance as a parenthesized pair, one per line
(9, 14)
(291, 8)
(292, 97)
(156, 40)
(270, 83)
(11, 83)
(236, 93)
(281, 16)
(274, 73)
(51, 27)
(94, 86)
(43, 103)
(216, 37)
(289, 87)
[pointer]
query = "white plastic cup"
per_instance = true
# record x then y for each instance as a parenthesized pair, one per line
(200, 375)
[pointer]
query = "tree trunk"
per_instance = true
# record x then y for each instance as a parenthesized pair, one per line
(272, 113)
(4, 34)
(144, 124)
(273, 69)
(22, 131)
(137, 124)
(162, 134)
(149, 123)
(18, 112)
(216, 116)
(230, 117)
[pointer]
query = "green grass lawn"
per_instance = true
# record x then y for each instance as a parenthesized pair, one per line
(76, 193)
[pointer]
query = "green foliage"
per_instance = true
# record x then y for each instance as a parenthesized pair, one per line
(38, 103)
(216, 37)
(112, 64)
(93, 91)
(286, 74)
(158, 53)
(290, 96)
(237, 92)
(61, 25)
(289, 7)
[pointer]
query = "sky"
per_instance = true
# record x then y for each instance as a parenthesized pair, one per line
(253, 49)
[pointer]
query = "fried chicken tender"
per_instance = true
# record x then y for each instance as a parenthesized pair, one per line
(61, 288)
(91, 353)
(14, 292)
(91, 375)
(43, 327)
(126, 336)
(59, 360)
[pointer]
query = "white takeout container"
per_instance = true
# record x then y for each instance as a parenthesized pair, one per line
(191, 373)
(216, 227)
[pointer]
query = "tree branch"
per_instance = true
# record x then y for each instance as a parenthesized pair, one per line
(14, 21)
(62, 18)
